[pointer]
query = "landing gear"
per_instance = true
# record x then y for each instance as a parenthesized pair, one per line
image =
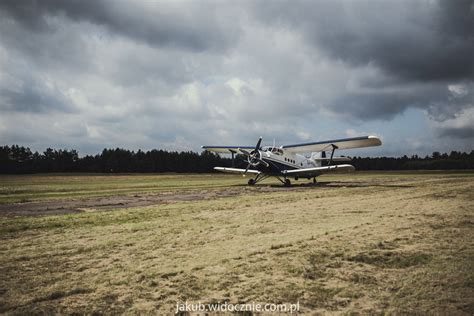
(258, 178)
(314, 180)
(287, 183)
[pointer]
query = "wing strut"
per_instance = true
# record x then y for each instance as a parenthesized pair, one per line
(334, 147)
(233, 152)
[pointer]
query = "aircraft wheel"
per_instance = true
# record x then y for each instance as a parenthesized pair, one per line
(314, 180)
(287, 183)
(251, 182)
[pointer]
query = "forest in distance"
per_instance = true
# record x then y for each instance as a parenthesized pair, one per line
(17, 159)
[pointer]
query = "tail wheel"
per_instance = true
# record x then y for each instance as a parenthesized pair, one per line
(251, 182)
(287, 183)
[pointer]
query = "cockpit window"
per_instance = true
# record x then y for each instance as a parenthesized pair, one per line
(277, 151)
(273, 150)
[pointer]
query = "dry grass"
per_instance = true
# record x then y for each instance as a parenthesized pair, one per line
(364, 242)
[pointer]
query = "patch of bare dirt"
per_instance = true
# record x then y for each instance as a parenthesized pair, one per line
(59, 207)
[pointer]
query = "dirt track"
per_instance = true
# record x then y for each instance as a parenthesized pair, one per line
(106, 203)
(58, 207)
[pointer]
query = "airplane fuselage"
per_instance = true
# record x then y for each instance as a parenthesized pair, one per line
(279, 160)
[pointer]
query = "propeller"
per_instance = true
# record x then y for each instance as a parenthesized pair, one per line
(254, 157)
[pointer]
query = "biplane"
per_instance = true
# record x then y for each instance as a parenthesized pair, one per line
(296, 161)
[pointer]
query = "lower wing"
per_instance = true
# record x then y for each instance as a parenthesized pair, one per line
(316, 171)
(236, 170)
(227, 149)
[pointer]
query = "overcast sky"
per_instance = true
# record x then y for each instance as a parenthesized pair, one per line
(181, 74)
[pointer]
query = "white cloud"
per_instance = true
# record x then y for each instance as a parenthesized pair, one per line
(458, 90)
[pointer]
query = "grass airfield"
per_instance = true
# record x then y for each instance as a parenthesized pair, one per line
(360, 242)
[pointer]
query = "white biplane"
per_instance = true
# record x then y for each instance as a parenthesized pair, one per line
(289, 161)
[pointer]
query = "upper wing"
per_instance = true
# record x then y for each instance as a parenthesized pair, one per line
(236, 170)
(345, 143)
(316, 171)
(226, 149)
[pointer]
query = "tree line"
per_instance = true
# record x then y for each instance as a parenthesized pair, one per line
(18, 159)
(437, 161)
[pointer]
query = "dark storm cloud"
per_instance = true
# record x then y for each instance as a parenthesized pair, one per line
(417, 48)
(429, 44)
(33, 97)
(196, 26)
(384, 105)
(461, 132)
(412, 40)
(26, 89)
(441, 101)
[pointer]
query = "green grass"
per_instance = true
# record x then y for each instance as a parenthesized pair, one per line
(49, 186)
(362, 242)
(41, 187)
